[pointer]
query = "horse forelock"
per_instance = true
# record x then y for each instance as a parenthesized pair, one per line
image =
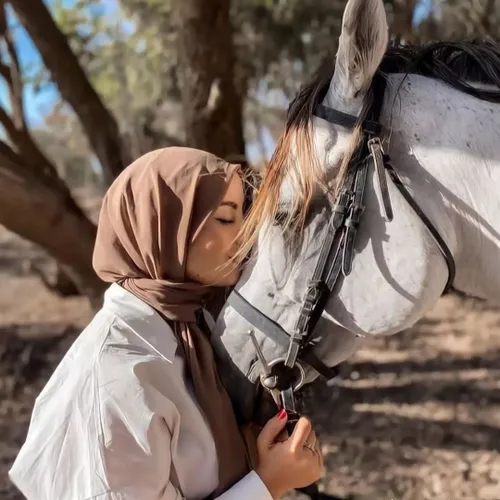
(294, 159)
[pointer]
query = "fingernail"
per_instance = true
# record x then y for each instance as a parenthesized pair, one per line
(282, 414)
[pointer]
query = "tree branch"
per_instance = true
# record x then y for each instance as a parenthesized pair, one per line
(14, 81)
(5, 73)
(46, 214)
(74, 85)
(29, 151)
(15, 124)
(9, 125)
(7, 152)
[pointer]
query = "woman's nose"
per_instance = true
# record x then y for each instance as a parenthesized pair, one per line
(234, 243)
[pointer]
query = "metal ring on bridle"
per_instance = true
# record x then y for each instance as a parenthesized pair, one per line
(302, 374)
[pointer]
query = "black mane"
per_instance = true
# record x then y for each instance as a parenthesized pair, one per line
(457, 64)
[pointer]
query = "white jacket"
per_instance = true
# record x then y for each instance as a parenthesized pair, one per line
(117, 420)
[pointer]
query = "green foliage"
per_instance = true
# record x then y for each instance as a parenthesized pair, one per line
(128, 67)
(120, 62)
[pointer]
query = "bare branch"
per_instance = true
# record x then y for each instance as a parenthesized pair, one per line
(3, 18)
(15, 124)
(9, 125)
(73, 84)
(30, 154)
(12, 166)
(46, 214)
(5, 73)
(15, 81)
(7, 152)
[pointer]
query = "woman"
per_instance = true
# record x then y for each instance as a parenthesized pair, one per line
(135, 410)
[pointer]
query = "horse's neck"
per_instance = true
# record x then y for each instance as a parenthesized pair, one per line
(447, 146)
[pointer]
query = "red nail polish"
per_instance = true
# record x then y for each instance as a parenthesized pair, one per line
(282, 414)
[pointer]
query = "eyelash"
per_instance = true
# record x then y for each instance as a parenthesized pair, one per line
(225, 221)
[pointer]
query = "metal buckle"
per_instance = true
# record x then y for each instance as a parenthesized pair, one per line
(377, 154)
(375, 142)
(354, 218)
(342, 202)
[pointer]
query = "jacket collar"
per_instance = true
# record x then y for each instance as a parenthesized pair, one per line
(150, 328)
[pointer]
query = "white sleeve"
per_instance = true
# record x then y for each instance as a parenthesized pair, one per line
(250, 487)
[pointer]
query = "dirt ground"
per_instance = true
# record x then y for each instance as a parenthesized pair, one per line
(415, 416)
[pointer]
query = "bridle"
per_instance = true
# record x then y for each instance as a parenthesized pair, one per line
(336, 255)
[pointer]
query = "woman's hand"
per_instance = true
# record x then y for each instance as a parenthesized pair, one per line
(294, 462)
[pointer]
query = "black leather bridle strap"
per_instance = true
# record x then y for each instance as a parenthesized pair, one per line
(344, 120)
(443, 247)
(379, 84)
(355, 212)
(340, 254)
(274, 331)
(325, 274)
(339, 118)
(317, 287)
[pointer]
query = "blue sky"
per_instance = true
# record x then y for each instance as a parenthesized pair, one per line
(422, 10)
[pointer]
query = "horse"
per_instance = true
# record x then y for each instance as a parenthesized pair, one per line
(423, 216)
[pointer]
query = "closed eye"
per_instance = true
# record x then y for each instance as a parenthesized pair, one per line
(224, 221)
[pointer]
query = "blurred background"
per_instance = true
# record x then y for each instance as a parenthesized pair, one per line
(88, 85)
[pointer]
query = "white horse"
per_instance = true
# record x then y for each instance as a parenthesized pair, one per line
(444, 143)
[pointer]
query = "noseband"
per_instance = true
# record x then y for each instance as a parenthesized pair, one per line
(336, 254)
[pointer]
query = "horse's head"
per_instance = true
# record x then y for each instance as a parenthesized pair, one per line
(397, 270)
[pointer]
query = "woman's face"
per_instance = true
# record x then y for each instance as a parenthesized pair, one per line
(214, 245)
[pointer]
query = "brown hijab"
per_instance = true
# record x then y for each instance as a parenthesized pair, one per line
(151, 213)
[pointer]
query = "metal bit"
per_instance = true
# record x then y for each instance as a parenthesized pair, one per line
(266, 369)
(267, 379)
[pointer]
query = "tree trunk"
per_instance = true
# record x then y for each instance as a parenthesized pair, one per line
(211, 99)
(402, 26)
(75, 88)
(45, 214)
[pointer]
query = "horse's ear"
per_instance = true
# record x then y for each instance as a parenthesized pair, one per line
(362, 44)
